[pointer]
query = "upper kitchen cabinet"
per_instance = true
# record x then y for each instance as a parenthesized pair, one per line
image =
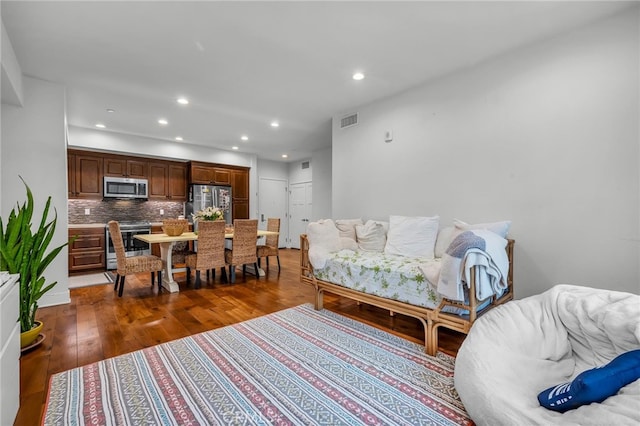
(125, 167)
(84, 173)
(167, 180)
(209, 174)
(178, 181)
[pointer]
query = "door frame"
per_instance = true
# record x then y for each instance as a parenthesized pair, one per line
(297, 237)
(284, 221)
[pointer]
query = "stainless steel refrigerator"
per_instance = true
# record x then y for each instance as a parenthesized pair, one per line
(203, 196)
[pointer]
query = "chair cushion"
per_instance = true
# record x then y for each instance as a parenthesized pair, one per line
(144, 263)
(263, 250)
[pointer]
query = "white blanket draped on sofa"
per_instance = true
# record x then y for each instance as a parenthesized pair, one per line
(480, 248)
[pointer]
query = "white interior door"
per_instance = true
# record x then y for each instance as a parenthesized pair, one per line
(300, 201)
(272, 202)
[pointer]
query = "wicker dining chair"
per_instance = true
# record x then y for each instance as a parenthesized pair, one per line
(244, 246)
(180, 248)
(270, 246)
(210, 254)
(134, 264)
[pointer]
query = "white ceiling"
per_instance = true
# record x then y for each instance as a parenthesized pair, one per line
(244, 64)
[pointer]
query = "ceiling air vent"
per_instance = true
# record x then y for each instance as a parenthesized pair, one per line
(349, 120)
(305, 165)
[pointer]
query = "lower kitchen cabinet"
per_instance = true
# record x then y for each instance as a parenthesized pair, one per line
(88, 250)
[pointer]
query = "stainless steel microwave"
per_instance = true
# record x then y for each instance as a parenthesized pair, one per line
(115, 187)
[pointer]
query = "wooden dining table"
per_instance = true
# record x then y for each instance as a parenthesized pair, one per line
(166, 247)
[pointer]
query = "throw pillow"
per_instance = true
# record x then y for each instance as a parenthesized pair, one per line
(347, 227)
(323, 239)
(412, 236)
(501, 228)
(384, 224)
(348, 244)
(371, 236)
(593, 385)
(443, 241)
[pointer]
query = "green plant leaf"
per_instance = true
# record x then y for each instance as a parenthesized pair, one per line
(24, 252)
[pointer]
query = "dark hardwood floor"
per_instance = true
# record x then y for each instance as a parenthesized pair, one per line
(98, 324)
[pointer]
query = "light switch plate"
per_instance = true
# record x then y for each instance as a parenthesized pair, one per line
(87, 212)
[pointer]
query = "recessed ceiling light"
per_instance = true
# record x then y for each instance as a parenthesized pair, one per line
(179, 138)
(285, 156)
(110, 110)
(275, 124)
(244, 137)
(358, 76)
(183, 101)
(100, 126)
(163, 122)
(235, 147)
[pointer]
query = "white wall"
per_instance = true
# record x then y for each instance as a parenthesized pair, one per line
(11, 73)
(547, 136)
(273, 169)
(297, 174)
(34, 147)
(321, 173)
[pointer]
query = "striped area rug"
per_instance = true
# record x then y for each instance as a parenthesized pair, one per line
(297, 366)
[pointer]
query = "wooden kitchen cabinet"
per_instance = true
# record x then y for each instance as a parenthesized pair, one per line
(88, 250)
(221, 176)
(84, 174)
(209, 174)
(177, 181)
(201, 173)
(240, 193)
(125, 167)
(158, 176)
(167, 180)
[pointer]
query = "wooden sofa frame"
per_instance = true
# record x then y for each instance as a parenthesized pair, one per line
(431, 319)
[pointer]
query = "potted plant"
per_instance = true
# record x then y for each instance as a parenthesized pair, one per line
(23, 251)
(209, 213)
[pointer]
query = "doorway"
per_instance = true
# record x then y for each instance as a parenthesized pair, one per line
(300, 202)
(272, 202)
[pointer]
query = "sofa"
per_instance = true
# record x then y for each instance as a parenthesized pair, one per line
(548, 342)
(443, 276)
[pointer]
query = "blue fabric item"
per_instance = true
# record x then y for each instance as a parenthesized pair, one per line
(593, 385)
(465, 241)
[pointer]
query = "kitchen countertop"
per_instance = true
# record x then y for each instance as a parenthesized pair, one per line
(102, 225)
(86, 225)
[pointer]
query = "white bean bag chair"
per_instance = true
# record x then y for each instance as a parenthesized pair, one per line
(519, 349)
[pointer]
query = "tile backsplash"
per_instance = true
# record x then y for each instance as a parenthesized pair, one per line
(102, 211)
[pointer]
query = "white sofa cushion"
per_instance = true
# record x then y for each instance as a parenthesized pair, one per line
(443, 241)
(384, 223)
(324, 238)
(412, 236)
(371, 236)
(348, 244)
(347, 227)
(501, 228)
